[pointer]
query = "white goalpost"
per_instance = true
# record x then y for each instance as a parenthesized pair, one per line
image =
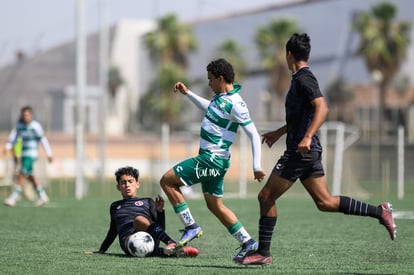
(338, 134)
(345, 136)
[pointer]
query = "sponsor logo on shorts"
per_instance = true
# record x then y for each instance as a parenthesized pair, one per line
(206, 172)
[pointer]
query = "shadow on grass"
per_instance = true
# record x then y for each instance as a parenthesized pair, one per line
(119, 255)
(214, 266)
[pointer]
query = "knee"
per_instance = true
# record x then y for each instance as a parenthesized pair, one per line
(169, 179)
(165, 181)
(141, 223)
(264, 196)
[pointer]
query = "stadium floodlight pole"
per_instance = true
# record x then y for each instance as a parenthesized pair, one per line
(80, 98)
(103, 79)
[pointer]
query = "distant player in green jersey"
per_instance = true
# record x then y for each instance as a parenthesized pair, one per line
(224, 114)
(31, 133)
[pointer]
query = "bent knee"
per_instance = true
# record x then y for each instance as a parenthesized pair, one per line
(141, 223)
(265, 196)
(170, 179)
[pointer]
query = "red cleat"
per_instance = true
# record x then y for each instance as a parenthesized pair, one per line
(256, 259)
(187, 251)
(387, 220)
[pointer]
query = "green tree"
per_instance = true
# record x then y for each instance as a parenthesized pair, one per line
(171, 42)
(271, 41)
(159, 104)
(383, 45)
(115, 80)
(339, 94)
(169, 46)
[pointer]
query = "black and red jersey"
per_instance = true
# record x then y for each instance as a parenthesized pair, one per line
(123, 213)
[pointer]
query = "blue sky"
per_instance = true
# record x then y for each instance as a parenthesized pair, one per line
(35, 25)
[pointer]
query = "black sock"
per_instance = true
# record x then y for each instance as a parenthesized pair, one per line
(350, 206)
(157, 232)
(266, 227)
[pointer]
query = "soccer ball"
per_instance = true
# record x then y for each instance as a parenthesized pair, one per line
(140, 244)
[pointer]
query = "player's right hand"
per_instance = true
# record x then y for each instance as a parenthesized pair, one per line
(179, 86)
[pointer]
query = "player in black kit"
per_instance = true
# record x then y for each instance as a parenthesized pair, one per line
(306, 111)
(133, 214)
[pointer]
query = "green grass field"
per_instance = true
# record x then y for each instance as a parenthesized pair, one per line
(52, 239)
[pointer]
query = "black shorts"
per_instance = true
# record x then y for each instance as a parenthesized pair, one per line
(292, 165)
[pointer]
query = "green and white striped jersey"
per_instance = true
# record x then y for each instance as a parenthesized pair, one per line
(31, 134)
(224, 114)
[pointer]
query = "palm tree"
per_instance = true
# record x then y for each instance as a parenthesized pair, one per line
(383, 45)
(339, 94)
(271, 41)
(115, 80)
(159, 104)
(169, 47)
(231, 51)
(171, 42)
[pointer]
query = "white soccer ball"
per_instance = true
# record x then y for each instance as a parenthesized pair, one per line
(140, 244)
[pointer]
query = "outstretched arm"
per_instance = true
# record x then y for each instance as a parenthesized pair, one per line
(199, 101)
(109, 239)
(271, 137)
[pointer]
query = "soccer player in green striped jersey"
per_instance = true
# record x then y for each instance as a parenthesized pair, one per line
(224, 114)
(31, 134)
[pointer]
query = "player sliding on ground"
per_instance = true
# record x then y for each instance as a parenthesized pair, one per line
(133, 214)
(306, 110)
(224, 114)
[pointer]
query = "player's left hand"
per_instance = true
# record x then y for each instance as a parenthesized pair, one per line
(159, 203)
(259, 175)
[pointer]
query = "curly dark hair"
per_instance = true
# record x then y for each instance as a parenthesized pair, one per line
(299, 46)
(221, 67)
(127, 170)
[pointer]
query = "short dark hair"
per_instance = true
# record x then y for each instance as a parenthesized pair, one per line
(127, 170)
(299, 46)
(221, 67)
(26, 108)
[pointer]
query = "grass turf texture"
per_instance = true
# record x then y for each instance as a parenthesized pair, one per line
(52, 239)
